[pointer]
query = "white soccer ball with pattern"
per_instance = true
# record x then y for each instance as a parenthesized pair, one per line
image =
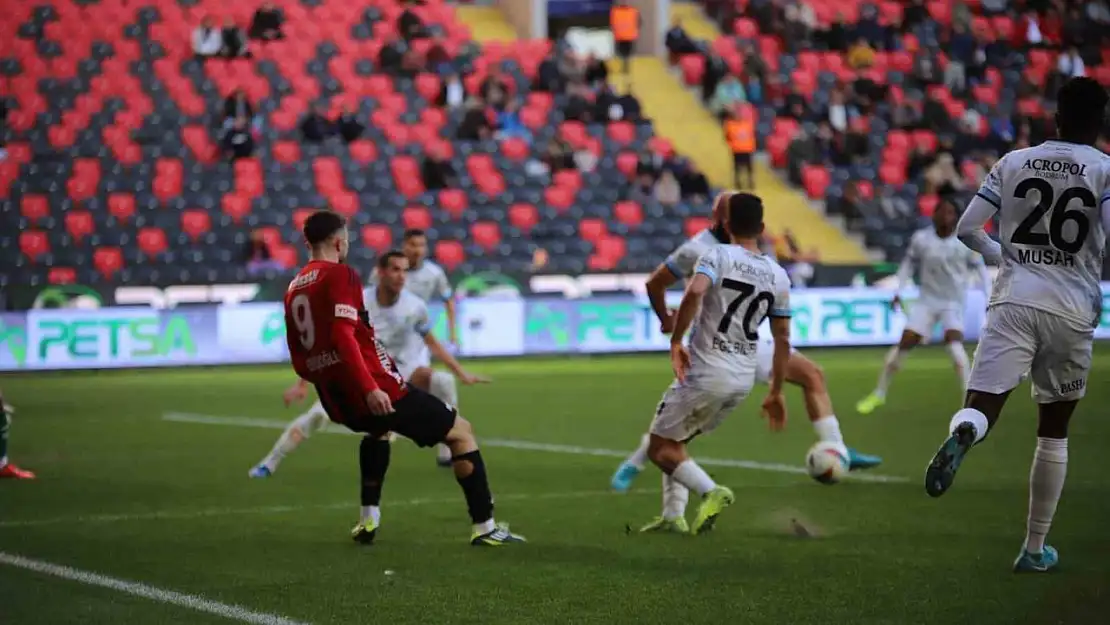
(827, 462)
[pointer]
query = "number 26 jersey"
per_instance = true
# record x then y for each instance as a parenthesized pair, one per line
(746, 288)
(1050, 200)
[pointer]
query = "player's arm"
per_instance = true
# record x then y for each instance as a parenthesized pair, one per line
(345, 292)
(448, 296)
(971, 229)
(906, 268)
(657, 284)
(296, 393)
(984, 275)
(774, 407)
(696, 288)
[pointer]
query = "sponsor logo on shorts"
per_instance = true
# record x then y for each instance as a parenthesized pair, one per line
(346, 311)
(1072, 387)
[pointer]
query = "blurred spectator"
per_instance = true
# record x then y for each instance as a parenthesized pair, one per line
(906, 116)
(605, 105)
(1028, 32)
(437, 171)
(257, 256)
(350, 129)
(596, 73)
(715, 71)
(667, 190)
(693, 183)
(509, 123)
(856, 143)
(730, 93)
(625, 22)
(961, 48)
(548, 77)
(392, 56)
(914, 15)
(942, 175)
(631, 111)
(649, 166)
(1098, 12)
(836, 37)
(795, 30)
(238, 142)
(578, 107)
(798, 264)
(740, 136)
(848, 207)
(1070, 64)
(411, 64)
(453, 92)
(920, 158)
(861, 55)
(1075, 28)
(831, 146)
(235, 44)
(437, 59)
(494, 90)
(961, 16)
(235, 106)
(755, 69)
(677, 41)
(316, 127)
(409, 23)
(925, 70)
(838, 113)
(895, 207)
(475, 125)
(540, 259)
(994, 7)
(570, 67)
(802, 150)
(207, 39)
(267, 22)
(558, 156)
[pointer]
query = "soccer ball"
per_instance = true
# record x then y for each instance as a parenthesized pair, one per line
(827, 462)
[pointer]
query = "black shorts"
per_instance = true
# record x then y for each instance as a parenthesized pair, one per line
(624, 48)
(742, 159)
(418, 416)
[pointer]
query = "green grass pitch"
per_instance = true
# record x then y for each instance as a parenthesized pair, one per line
(126, 493)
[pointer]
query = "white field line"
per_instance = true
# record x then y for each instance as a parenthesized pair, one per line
(164, 515)
(137, 589)
(184, 417)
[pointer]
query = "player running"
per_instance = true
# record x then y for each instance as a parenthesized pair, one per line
(334, 347)
(735, 287)
(1053, 202)
(401, 322)
(800, 371)
(945, 265)
(8, 470)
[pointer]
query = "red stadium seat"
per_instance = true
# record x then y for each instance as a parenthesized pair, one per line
(416, 217)
(152, 241)
(893, 174)
(195, 222)
(777, 145)
(524, 216)
(486, 234)
(79, 224)
(62, 275)
(629, 213)
(121, 206)
(559, 198)
(363, 151)
(693, 68)
(695, 225)
(34, 207)
(626, 163)
(515, 148)
(287, 152)
(33, 243)
(345, 203)
(449, 254)
(235, 206)
(377, 237)
(927, 205)
(568, 178)
(592, 229)
(286, 255)
(107, 261)
(815, 179)
(622, 132)
(453, 201)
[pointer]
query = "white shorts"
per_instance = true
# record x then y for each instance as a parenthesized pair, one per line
(1018, 339)
(765, 358)
(924, 316)
(686, 411)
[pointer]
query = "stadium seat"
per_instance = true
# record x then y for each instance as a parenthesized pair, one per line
(79, 224)
(195, 223)
(416, 217)
(107, 261)
(152, 241)
(449, 254)
(377, 237)
(453, 201)
(62, 275)
(693, 225)
(629, 213)
(121, 206)
(300, 216)
(33, 244)
(523, 216)
(34, 207)
(486, 234)
(236, 206)
(592, 229)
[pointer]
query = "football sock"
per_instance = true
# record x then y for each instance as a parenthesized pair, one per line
(442, 385)
(675, 497)
(639, 457)
(891, 366)
(972, 416)
(301, 428)
(1046, 481)
(959, 359)
(693, 477)
(372, 513)
(475, 487)
(373, 462)
(5, 425)
(828, 429)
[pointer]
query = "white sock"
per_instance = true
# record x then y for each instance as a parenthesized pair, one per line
(296, 432)
(675, 497)
(891, 365)
(1046, 481)
(972, 416)
(373, 513)
(485, 528)
(959, 359)
(828, 429)
(3, 461)
(639, 457)
(693, 477)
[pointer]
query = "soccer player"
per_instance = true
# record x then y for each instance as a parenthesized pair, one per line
(945, 265)
(1053, 204)
(401, 323)
(800, 371)
(734, 287)
(7, 469)
(334, 347)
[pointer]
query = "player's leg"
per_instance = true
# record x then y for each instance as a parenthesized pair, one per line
(1005, 352)
(7, 469)
(919, 324)
(631, 467)
(442, 385)
(803, 372)
(954, 343)
(299, 429)
(373, 462)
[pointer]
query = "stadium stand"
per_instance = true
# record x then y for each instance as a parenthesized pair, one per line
(119, 141)
(883, 109)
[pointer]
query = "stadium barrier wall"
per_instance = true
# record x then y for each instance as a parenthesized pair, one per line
(58, 339)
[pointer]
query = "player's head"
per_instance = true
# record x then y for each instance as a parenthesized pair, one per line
(945, 217)
(745, 216)
(415, 246)
(391, 271)
(325, 234)
(719, 216)
(1081, 110)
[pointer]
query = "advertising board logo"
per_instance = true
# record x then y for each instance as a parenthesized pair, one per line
(488, 284)
(15, 339)
(109, 338)
(68, 296)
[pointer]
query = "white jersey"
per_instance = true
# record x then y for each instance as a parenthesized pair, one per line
(683, 260)
(428, 282)
(944, 267)
(747, 287)
(1050, 200)
(401, 328)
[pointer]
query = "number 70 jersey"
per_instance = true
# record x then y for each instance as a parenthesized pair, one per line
(746, 288)
(1050, 200)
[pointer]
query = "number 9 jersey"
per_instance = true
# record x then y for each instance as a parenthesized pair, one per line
(746, 288)
(1053, 203)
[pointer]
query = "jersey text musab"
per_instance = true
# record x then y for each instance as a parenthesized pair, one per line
(1048, 168)
(736, 348)
(1045, 257)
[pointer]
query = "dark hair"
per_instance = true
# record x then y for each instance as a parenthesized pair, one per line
(383, 260)
(1081, 109)
(745, 215)
(321, 225)
(413, 232)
